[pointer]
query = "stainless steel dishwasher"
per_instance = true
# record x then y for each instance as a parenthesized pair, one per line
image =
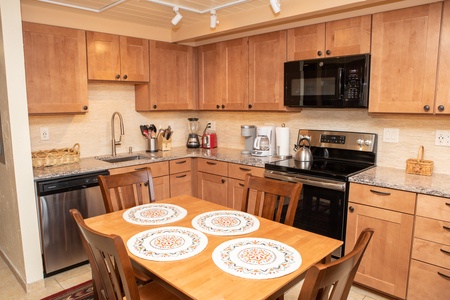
(60, 243)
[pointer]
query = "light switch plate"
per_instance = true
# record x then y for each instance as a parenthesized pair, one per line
(390, 135)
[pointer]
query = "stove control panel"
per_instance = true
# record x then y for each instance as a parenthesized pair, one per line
(359, 141)
(334, 139)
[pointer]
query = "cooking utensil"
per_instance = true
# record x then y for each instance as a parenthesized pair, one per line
(144, 130)
(303, 153)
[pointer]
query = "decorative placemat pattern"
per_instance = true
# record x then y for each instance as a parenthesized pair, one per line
(167, 243)
(256, 258)
(226, 222)
(154, 214)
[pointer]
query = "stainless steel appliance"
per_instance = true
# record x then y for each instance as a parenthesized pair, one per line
(337, 155)
(249, 133)
(264, 144)
(334, 82)
(193, 140)
(60, 243)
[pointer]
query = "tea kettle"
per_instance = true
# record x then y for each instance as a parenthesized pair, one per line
(303, 153)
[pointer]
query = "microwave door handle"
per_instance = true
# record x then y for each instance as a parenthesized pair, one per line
(341, 78)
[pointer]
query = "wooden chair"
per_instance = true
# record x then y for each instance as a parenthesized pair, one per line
(126, 190)
(112, 272)
(333, 280)
(270, 197)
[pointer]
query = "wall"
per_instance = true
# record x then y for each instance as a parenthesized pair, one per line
(92, 130)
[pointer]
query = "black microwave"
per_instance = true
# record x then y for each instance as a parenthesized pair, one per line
(335, 82)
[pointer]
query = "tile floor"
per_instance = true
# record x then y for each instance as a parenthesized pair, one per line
(11, 289)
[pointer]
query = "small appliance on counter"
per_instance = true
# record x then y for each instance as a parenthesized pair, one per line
(249, 133)
(209, 138)
(193, 138)
(264, 144)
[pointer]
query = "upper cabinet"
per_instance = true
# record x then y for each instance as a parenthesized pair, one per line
(404, 60)
(117, 58)
(172, 79)
(442, 101)
(336, 38)
(55, 66)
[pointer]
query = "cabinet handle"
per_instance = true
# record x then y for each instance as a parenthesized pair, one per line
(351, 209)
(181, 176)
(155, 106)
(319, 53)
(217, 106)
(223, 106)
(446, 227)
(250, 106)
(380, 193)
(117, 76)
(443, 275)
(447, 203)
(223, 180)
(85, 107)
(328, 52)
(241, 184)
(441, 108)
(244, 169)
(180, 162)
(125, 76)
(426, 108)
(445, 251)
(211, 163)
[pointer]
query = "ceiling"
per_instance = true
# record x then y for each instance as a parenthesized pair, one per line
(194, 26)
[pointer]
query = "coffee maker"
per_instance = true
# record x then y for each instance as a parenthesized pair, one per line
(264, 144)
(249, 133)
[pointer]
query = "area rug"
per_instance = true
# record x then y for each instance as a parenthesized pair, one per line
(83, 291)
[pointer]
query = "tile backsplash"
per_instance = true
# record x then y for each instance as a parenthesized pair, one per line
(93, 129)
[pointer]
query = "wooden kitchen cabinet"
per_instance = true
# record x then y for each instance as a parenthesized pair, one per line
(404, 59)
(55, 69)
(337, 38)
(160, 174)
(390, 213)
(172, 78)
(117, 58)
(429, 277)
(212, 181)
(236, 174)
(442, 101)
(223, 75)
(180, 177)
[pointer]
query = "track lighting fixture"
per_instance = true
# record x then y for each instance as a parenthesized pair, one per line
(213, 21)
(276, 7)
(177, 17)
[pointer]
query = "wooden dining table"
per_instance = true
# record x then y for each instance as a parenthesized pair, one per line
(198, 277)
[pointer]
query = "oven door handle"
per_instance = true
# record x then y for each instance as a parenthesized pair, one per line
(331, 185)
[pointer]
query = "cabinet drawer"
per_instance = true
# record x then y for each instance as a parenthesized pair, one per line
(213, 166)
(433, 207)
(180, 165)
(426, 283)
(432, 230)
(432, 253)
(382, 197)
(239, 171)
(158, 169)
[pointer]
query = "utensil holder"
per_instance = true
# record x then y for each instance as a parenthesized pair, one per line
(419, 166)
(152, 145)
(163, 144)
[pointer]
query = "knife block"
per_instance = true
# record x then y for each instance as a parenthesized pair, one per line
(163, 144)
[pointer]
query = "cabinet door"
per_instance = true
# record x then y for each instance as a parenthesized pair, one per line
(385, 263)
(404, 59)
(442, 102)
(306, 42)
(212, 188)
(171, 76)
(161, 187)
(267, 54)
(235, 191)
(134, 61)
(181, 184)
(55, 67)
(103, 52)
(234, 68)
(209, 74)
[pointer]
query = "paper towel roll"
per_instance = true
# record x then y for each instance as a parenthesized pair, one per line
(282, 141)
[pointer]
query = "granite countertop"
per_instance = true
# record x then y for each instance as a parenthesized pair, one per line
(435, 185)
(91, 164)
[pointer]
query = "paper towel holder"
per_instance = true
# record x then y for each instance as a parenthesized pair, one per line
(278, 150)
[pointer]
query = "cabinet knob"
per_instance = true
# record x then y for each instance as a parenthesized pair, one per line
(223, 180)
(125, 76)
(328, 52)
(250, 106)
(441, 108)
(155, 106)
(319, 53)
(223, 106)
(426, 108)
(217, 106)
(117, 76)
(351, 208)
(85, 107)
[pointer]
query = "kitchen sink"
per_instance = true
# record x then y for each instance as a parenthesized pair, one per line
(121, 158)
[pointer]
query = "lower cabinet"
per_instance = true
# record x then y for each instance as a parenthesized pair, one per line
(180, 177)
(212, 187)
(236, 174)
(390, 213)
(160, 174)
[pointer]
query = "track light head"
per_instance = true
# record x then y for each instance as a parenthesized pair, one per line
(276, 7)
(213, 21)
(177, 17)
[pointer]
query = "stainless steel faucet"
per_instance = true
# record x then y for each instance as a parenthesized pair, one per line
(113, 133)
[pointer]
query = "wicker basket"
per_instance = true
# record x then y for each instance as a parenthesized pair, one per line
(419, 166)
(56, 157)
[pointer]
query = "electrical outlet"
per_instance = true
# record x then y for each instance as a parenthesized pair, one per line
(213, 125)
(45, 135)
(442, 138)
(390, 135)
